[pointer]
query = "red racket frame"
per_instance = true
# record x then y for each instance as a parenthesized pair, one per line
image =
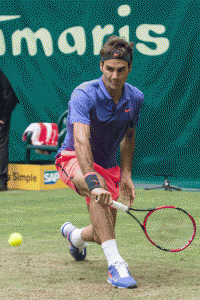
(162, 207)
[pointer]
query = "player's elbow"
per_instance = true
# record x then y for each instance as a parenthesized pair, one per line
(80, 143)
(77, 142)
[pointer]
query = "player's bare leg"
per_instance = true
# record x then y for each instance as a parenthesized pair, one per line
(89, 233)
(102, 231)
(103, 218)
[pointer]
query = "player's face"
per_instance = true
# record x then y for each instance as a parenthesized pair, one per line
(115, 73)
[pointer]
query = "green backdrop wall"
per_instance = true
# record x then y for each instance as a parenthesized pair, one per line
(45, 70)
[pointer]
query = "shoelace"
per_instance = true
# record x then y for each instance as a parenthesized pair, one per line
(121, 267)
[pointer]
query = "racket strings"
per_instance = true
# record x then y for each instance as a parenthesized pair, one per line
(169, 228)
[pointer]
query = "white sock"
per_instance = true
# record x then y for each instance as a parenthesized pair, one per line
(111, 252)
(77, 239)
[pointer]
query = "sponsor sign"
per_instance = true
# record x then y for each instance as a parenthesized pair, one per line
(34, 177)
(143, 33)
(16, 176)
(51, 177)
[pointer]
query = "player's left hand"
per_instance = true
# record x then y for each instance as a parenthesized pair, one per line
(127, 192)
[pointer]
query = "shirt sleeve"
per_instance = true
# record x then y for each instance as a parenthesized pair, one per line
(80, 106)
(140, 100)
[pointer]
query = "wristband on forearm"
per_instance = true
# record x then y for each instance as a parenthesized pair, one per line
(92, 181)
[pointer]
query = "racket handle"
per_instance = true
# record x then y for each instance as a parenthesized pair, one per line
(119, 206)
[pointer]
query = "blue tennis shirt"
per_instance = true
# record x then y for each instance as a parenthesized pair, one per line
(91, 104)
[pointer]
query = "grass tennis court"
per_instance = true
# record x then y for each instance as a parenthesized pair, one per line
(42, 268)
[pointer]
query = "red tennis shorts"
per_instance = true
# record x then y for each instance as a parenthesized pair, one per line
(67, 161)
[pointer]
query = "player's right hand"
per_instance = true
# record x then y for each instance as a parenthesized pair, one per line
(101, 196)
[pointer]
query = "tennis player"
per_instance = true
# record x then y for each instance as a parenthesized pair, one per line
(102, 117)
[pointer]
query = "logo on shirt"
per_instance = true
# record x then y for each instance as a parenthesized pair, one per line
(127, 110)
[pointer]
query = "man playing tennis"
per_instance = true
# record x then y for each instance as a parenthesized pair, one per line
(102, 116)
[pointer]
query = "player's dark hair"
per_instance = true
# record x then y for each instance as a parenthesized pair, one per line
(115, 43)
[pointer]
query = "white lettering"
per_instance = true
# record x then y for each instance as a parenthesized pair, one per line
(42, 34)
(124, 10)
(51, 177)
(98, 34)
(142, 33)
(8, 18)
(79, 37)
(124, 32)
(46, 177)
(2, 43)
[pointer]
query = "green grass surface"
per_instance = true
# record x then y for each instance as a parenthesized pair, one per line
(42, 268)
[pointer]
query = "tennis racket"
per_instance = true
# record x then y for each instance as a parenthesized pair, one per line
(169, 228)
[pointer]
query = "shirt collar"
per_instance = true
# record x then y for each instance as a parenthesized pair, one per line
(103, 88)
(125, 93)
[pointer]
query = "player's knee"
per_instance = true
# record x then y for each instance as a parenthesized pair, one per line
(84, 192)
(97, 240)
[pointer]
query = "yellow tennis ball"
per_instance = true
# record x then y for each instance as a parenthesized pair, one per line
(15, 239)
